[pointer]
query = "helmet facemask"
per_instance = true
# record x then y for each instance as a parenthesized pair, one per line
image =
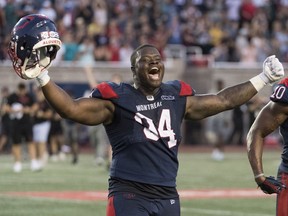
(39, 58)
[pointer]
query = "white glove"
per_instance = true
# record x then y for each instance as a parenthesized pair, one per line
(272, 70)
(43, 78)
(38, 62)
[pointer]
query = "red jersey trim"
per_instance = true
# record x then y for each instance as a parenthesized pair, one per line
(186, 89)
(106, 91)
(284, 81)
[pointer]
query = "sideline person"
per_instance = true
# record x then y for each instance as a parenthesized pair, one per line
(142, 121)
(21, 107)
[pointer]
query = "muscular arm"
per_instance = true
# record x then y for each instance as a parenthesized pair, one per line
(268, 120)
(199, 107)
(89, 111)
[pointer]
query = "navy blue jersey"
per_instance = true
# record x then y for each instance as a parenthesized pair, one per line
(280, 95)
(145, 132)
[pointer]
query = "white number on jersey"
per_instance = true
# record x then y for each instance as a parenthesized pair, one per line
(278, 92)
(164, 128)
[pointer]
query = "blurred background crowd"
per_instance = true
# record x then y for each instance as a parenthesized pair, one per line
(109, 30)
(228, 30)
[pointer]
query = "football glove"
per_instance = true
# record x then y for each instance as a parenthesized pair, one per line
(272, 70)
(271, 185)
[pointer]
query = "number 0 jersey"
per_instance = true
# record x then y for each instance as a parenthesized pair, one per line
(280, 95)
(145, 132)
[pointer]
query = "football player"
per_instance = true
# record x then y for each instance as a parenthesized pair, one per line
(142, 121)
(272, 116)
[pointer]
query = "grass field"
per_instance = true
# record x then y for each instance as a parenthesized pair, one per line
(197, 173)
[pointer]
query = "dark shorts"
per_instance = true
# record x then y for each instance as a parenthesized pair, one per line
(56, 128)
(5, 127)
(21, 132)
(130, 204)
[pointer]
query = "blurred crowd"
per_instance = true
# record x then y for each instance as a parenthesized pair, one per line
(228, 30)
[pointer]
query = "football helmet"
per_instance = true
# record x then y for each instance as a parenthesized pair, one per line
(33, 45)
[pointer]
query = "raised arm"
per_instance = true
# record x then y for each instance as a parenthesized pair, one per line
(201, 106)
(89, 111)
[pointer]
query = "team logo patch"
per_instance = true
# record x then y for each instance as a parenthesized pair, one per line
(49, 34)
(167, 97)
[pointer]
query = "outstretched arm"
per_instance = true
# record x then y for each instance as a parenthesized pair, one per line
(89, 111)
(199, 107)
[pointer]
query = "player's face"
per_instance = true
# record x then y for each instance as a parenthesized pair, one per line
(149, 70)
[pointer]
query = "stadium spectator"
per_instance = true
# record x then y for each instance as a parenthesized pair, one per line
(247, 11)
(48, 10)
(26, 7)
(233, 8)
(280, 34)
(101, 13)
(175, 31)
(84, 11)
(101, 51)
(85, 52)
(125, 50)
(10, 17)
(143, 123)
(114, 49)
(70, 47)
(248, 53)
(186, 22)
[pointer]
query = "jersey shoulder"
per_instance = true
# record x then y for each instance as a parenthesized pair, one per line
(280, 92)
(110, 90)
(183, 88)
(106, 90)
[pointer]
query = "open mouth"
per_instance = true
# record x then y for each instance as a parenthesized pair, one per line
(154, 73)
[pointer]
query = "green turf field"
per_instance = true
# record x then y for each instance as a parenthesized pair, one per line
(197, 172)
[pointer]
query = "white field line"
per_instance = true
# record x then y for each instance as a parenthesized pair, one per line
(225, 193)
(184, 194)
(219, 212)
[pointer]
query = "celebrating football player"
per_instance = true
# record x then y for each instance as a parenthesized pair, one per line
(142, 121)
